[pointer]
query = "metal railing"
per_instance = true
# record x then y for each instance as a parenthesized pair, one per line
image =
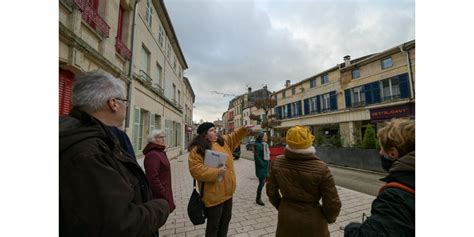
(91, 16)
(122, 49)
(144, 76)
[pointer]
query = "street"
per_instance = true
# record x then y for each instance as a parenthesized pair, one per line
(362, 181)
(248, 218)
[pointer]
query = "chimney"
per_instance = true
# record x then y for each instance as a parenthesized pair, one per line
(287, 83)
(265, 87)
(250, 89)
(347, 61)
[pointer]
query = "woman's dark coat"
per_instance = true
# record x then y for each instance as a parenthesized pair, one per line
(303, 180)
(261, 165)
(158, 172)
(102, 191)
(393, 211)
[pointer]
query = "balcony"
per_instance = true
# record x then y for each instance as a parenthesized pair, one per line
(144, 77)
(122, 49)
(358, 104)
(157, 88)
(391, 97)
(92, 17)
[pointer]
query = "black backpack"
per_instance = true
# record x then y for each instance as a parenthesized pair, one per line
(196, 209)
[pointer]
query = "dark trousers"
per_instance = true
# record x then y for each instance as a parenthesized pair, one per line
(218, 219)
(261, 183)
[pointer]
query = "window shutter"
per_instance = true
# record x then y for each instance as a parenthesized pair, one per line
(318, 104)
(368, 93)
(306, 106)
(376, 91)
(152, 121)
(65, 91)
(136, 128)
(333, 100)
(404, 86)
(347, 94)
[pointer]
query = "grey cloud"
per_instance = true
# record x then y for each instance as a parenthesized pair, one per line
(231, 44)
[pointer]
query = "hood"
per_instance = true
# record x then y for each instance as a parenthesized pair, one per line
(404, 163)
(152, 146)
(79, 126)
(300, 154)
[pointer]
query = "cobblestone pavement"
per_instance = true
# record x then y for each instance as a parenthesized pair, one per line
(248, 218)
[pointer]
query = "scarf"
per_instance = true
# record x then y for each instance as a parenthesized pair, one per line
(266, 151)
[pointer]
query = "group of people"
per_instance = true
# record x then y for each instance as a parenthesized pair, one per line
(104, 192)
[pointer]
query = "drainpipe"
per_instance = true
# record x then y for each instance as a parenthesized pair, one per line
(129, 92)
(410, 73)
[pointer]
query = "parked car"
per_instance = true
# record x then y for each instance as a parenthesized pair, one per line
(250, 145)
(236, 153)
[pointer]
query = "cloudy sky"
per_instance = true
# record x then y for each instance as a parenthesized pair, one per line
(232, 44)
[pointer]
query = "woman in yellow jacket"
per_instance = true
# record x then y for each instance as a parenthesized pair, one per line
(217, 194)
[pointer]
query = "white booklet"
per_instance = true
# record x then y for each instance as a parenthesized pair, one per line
(215, 159)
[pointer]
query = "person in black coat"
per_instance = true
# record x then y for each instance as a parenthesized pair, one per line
(393, 211)
(102, 191)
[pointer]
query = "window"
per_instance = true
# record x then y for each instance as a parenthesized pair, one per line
(284, 94)
(174, 64)
(174, 93)
(160, 36)
(168, 51)
(293, 90)
(387, 63)
(145, 59)
(390, 88)
(358, 96)
(312, 83)
(141, 128)
(355, 73)
(179, 97)
(324, 78)
(158, 74)
(325, 103)
(149, 13)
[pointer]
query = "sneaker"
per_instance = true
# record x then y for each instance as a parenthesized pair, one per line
(259, 202)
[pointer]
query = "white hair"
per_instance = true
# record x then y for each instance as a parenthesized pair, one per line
(154, 133)
(92, 90)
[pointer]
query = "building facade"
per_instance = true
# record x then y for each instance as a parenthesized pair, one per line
(112, 35)
(343, 100)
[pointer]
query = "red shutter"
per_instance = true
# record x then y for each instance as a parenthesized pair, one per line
(65, 91)
(120, 23)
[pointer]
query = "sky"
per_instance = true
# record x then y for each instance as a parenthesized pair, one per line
(230, 45)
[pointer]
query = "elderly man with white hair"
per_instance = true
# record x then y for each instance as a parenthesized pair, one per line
(102, 192)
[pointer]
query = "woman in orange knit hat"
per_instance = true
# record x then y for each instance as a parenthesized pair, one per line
(302, 179)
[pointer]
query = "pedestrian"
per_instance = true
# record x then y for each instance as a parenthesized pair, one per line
(124, 141)
(393, 211)
(261, 157)
(158, 168)
(303, 180)
(217, 195)
(102, 192)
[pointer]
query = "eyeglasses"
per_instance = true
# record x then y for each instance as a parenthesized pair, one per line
(123, 100)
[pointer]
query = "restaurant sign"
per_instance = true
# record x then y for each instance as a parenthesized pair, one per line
(399, 111)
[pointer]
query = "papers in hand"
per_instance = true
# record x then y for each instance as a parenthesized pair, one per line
(215, 159)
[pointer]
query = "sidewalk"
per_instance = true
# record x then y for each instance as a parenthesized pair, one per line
(248, 218)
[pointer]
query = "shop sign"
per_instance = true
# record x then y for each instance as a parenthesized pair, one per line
(392, 112)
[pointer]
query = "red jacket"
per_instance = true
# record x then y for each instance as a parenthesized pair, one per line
(158, 172)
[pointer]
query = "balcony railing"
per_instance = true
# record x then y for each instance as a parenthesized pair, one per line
(358, 104)
(122, 49)
(144, 77)
(391, 97)
(92, 17)
(157, 88)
